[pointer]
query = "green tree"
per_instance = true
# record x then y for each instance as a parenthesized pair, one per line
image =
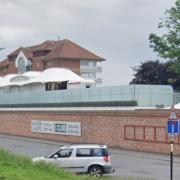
(168, 45)
(155, 72)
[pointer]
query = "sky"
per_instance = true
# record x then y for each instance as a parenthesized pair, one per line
(116, 30)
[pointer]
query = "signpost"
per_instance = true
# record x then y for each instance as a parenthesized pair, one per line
(173, 127)
(173, 130)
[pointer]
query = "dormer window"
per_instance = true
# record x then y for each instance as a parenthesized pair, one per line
(22, 63)
(12, 58)
(40, 53)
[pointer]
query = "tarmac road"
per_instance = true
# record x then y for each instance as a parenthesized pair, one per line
(126, 163)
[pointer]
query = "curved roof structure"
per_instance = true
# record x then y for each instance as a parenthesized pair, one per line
(48, 75)
(58, 74)
(5, 81)
(32, 73)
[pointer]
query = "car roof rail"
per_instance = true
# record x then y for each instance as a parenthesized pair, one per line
(85, 144)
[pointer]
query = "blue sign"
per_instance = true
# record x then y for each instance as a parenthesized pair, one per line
(173, 127)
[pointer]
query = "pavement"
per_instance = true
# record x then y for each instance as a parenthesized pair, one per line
(126, 163)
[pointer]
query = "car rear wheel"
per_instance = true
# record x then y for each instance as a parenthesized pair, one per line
(95, 171)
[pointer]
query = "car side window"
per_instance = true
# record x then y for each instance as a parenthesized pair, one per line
(99, 152)
(64, 153)
(83, 152)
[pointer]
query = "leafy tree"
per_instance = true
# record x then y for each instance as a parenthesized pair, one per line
(148, 73)
(168, 45)
(155, 72)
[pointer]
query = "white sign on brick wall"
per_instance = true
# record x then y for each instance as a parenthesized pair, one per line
(56, 127)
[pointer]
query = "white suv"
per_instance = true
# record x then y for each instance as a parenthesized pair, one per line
(86, 158)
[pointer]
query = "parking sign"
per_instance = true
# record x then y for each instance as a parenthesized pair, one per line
(173, 123)
(173, 127)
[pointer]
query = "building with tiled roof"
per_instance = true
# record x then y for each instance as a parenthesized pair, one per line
(62, 53)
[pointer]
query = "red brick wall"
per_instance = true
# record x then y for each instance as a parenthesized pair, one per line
(72, 64)
(143, 130)
(10, 69)
(37, 65)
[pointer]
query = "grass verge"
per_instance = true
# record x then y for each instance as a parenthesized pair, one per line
(18, 167)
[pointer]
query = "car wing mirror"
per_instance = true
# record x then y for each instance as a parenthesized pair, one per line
(55, 156)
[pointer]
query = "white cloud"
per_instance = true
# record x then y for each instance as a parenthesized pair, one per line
(115, 29)
(13, 33)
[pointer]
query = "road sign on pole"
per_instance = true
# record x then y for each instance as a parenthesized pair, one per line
(173, 127)
(173, 123)
(173, 115)
(173, 130)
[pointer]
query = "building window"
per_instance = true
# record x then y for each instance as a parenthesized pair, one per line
(56, 86)
(88, 63)
(88, 75)
(12, 58)
(28, 68)
(4, 69)
(21, 65)
(40, 53)
(88, 69)
(50, 63)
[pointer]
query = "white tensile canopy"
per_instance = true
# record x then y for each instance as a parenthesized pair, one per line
(48, 75)
(58, 75)
(32, 73)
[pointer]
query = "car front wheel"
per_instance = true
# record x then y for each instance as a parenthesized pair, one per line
(95, 171)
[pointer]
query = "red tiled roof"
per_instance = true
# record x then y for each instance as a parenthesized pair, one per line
(4, 62)
(68, 49)
(16, 52)
(58, 49)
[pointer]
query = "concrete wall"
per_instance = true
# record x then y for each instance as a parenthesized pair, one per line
(143, 130)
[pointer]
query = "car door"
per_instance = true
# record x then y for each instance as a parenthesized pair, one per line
(83, 158)
(62, 158)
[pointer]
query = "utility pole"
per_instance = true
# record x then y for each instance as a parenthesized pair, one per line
(173, 130)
